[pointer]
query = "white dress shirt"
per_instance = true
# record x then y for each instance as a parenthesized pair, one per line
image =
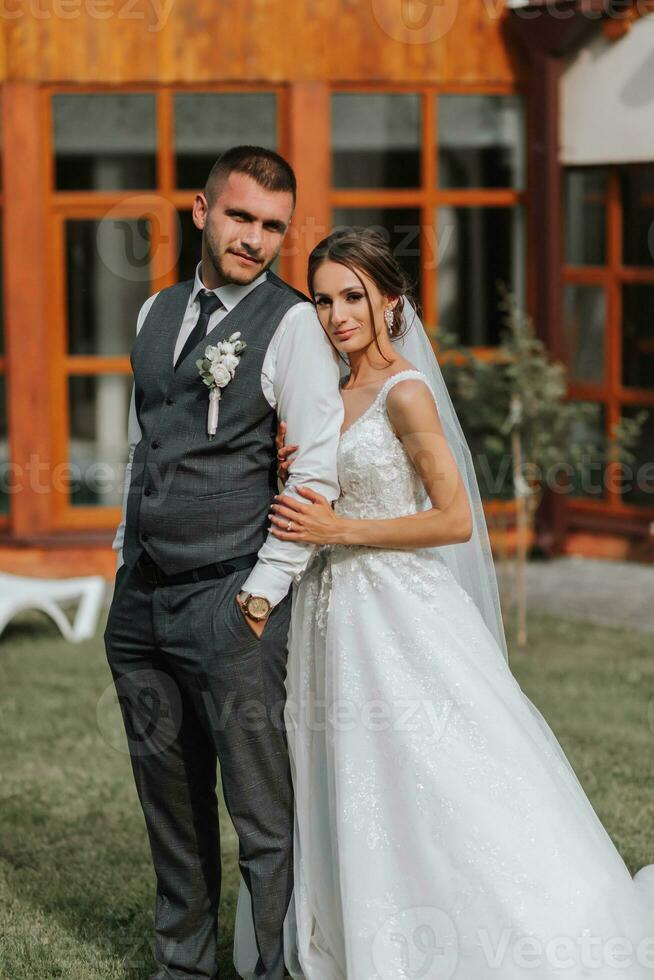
(300, 379)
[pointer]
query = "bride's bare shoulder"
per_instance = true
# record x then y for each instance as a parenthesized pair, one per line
(410, 402)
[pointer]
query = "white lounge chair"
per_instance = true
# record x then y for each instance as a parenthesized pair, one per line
(18, 593)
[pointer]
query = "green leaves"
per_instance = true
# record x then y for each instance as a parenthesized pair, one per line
(521, 388)
(204, 366)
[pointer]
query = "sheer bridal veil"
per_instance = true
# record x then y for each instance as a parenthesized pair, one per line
(471, 562)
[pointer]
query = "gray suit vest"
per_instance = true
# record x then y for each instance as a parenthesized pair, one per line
(193, 500)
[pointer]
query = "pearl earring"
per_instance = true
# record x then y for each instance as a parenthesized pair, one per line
(389, 317)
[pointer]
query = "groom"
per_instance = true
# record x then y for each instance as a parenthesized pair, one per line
(196, 634)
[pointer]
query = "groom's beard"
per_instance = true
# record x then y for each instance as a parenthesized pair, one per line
(216, 259)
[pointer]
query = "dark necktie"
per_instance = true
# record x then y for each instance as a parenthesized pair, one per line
(209, 303)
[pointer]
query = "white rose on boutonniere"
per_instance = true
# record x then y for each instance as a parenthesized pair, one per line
(217, 368)
(221, 374)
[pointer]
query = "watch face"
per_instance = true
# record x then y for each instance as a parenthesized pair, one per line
(258, 607)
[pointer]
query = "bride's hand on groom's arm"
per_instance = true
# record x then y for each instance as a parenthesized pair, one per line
(284, 453)
(313, 521)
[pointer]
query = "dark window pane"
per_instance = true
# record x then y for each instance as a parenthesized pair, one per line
(584, 321)
(98, 411)
(399, 226)
(376, 140)
(639, 476)
(638, 336)
(588, 479)
(108, 278)
(4, 448)
(104, 141)
(638, 215)
(477, 249)
(585, 216)
(208, 123)
(481, 141)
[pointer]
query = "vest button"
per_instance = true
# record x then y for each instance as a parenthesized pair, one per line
(147, 491)
(155, 444)
(170, 401)
(144, 537)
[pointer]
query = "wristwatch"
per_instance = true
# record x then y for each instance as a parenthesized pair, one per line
(257, 607)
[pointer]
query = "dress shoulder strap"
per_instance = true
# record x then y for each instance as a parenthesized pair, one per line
(395, 378)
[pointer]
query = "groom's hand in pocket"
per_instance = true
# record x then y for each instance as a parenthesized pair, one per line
(257, 626)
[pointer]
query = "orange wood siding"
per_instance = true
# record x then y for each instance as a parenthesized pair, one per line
(194, 41)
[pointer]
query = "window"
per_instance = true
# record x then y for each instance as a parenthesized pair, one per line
(584, 321)
(481, 141)
(608, 317)
(104, 141)
(478, 247)
(638, 335)
(585, 217)
(108, 278)
(442, 176)
(376, 140)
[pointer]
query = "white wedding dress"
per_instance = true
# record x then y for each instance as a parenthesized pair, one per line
(440, 831)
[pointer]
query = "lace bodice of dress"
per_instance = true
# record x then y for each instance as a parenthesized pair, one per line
(377, 478)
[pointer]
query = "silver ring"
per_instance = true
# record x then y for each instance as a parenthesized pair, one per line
(289, 526)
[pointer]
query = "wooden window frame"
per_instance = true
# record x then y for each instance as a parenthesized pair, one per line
(612, 394)
(429, 196)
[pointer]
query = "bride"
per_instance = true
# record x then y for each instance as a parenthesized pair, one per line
(440, 830)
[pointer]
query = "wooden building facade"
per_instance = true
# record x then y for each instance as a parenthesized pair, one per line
(436, 122)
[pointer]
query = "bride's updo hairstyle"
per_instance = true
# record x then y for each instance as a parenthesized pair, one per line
(365, 250)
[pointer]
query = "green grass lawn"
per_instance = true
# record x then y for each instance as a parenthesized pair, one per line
(76, 883)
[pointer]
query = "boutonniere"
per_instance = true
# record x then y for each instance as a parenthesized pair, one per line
(217, 368)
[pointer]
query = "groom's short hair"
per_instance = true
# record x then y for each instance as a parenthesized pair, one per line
(269, 169)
